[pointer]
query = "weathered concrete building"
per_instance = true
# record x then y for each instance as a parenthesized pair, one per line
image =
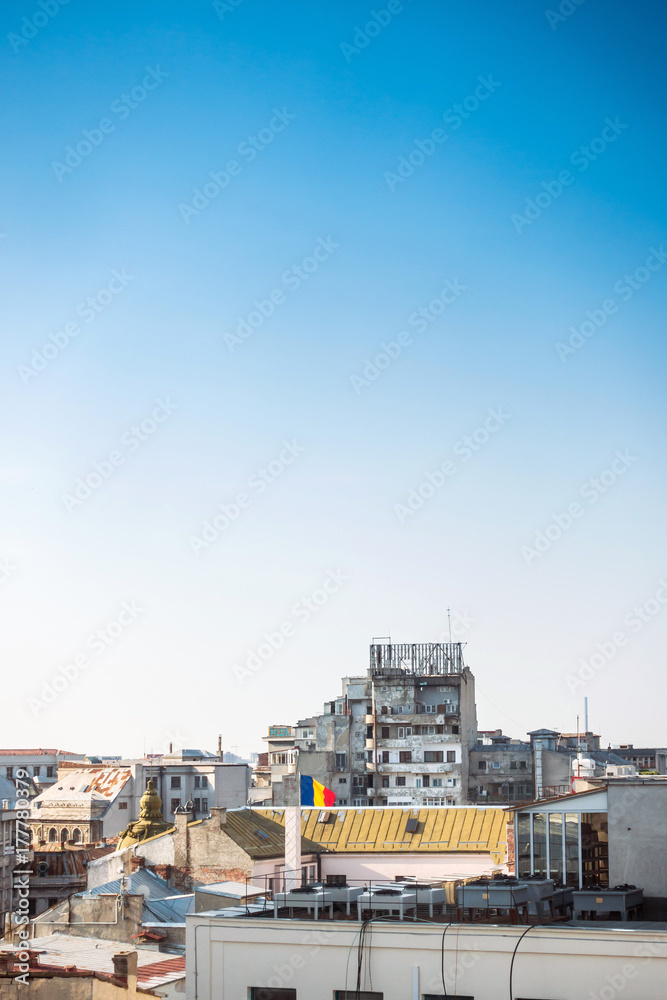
(501, 771)
(399, 735)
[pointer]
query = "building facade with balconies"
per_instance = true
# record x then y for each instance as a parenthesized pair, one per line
(422, 725)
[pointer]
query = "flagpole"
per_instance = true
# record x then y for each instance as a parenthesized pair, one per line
(293, 839)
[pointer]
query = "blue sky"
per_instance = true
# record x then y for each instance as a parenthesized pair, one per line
(317, 106)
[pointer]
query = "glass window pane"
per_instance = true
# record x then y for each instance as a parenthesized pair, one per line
(594, 849)
(571, 850)
(540, 844)
(523, 844)
(556, 846)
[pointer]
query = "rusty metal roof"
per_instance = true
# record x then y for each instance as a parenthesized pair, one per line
(103, 781)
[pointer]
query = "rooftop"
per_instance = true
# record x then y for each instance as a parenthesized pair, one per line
(479, 829)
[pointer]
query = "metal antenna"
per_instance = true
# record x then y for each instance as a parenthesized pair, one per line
(449, 619)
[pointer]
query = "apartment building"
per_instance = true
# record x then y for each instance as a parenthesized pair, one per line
(399, 735)
(422, 724)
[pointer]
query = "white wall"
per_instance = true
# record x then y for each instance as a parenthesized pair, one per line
(361, 867)
(318, 957)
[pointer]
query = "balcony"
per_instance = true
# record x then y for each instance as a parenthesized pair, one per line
(370, 744)
(370, 765)
(369, 719)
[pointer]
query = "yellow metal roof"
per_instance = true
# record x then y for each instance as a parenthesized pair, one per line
(383, 830)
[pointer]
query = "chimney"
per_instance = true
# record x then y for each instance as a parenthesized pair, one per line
(171, 747)
(125, 969)
(220, 746)
(219, 813)
(137, 861)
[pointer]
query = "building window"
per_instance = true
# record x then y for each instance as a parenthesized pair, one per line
(204, 805)
(49, 772)
(36, 769)
(385, 782)
(437, 782)
(341, 761)
(481, 764)
(513, 765)
(341, 802)
(496, 764)
(342, 781)
(10, 772)
(266, 993)
(204, 781)
(433, 756)
(357, 995)
(197, 780)
(405, 757)
(385, 757)
(175, 803)
(451, 756)
(358, 802)
(385, 732)
(455, 730)
(522, 764)
(400, 780)
(122, 805)
(197, 805)
(426, 780)
(175, 781)
(360, 755)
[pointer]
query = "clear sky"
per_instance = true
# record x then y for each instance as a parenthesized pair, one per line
(323, 318)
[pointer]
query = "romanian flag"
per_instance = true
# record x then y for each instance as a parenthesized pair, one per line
(315, 794)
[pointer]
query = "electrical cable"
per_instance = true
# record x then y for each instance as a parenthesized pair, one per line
(442, 958)
(516, 948)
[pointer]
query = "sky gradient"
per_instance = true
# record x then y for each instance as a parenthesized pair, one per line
(384, 294)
